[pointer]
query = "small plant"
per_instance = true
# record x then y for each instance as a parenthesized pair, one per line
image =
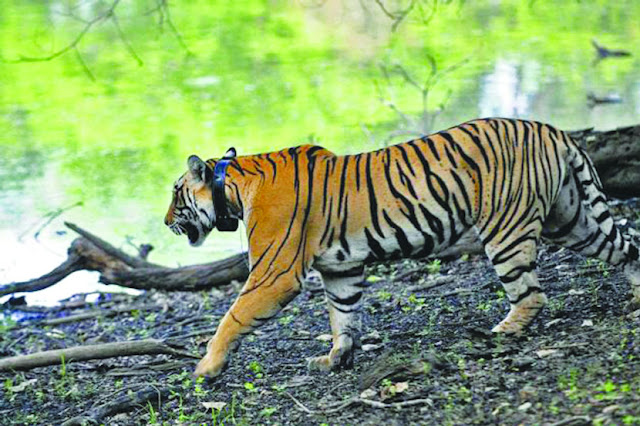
(278, 388)
(383, 295)
(250, 387)
(6, 324)
(63, 367)
(268, 411)
(434, 266)
(198, 390)
(610, 391)
(8, 389)
(484, 306)
(151, 317)
(153, 418)
(285, 320)
(569, 384)
(256, 369)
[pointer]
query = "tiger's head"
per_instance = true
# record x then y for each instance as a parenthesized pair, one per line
(192, 209)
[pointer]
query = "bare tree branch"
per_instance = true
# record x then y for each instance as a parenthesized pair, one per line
(163, 9)
(397, 17)
(84, 65)
(98, 19)
(132, 52)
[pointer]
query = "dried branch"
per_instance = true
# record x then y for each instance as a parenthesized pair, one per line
(127, 45)
(163, 10)
(397, 17)
(109, 249)
(102, 17)
(127, 401)
(84, 353)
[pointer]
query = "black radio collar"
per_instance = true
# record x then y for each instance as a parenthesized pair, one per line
(224, 222)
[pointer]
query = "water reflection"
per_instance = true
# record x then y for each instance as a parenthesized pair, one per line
(509, 89)
(260, 76)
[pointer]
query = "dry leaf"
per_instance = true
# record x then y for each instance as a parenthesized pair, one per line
(542, 353)
(215, 405)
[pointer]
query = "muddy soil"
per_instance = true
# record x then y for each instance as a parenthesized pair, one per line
(427, 355)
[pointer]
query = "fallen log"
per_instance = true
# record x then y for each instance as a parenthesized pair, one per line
(116, 267)
(616, 155)
(89, 352)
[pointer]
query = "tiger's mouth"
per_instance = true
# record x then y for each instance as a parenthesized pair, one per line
(193, 234)
(192, 231)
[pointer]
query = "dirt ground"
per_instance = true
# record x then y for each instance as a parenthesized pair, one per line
(427, 355)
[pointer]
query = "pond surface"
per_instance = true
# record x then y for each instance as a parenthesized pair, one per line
(97, 135)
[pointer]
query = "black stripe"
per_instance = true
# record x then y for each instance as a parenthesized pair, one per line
(348, 301)
(373, 204)
(528, 292)
(374, 245)
(347, 273)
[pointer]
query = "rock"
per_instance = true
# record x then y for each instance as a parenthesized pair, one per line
(543, 353)
(528, 392)
(524, 407)
(368, 394)
(524, 362)
(369, 348)
(553, 322)
(324, 337)
(373, 337)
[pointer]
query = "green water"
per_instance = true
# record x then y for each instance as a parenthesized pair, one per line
(111, 123)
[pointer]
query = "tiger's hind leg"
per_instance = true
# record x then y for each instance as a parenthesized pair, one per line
(343, 291)
(580, 221)
(514, 259)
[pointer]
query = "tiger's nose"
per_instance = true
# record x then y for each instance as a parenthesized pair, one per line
(168, 219)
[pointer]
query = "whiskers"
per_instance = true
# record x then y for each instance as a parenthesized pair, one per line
(177, 229)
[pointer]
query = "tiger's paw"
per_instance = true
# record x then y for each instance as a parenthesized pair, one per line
(320, 363)
(508, 327)
(521, 314)
(209, 366)
(337, 358)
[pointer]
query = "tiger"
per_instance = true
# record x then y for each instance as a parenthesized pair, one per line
(512, 182)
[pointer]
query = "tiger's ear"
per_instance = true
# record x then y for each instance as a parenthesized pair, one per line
(231, 153)
(197, 167)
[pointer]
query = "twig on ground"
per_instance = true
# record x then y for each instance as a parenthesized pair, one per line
(397, 405)
(335, 409)
(90, 352)
(575, 420)
(457, 292)
(127, 402)
(99, 314)
(358, 400)
(436, 282)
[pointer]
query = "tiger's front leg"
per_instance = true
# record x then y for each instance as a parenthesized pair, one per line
(258, 301)
(343, 291)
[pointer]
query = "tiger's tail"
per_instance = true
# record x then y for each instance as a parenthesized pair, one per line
(584, 223)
